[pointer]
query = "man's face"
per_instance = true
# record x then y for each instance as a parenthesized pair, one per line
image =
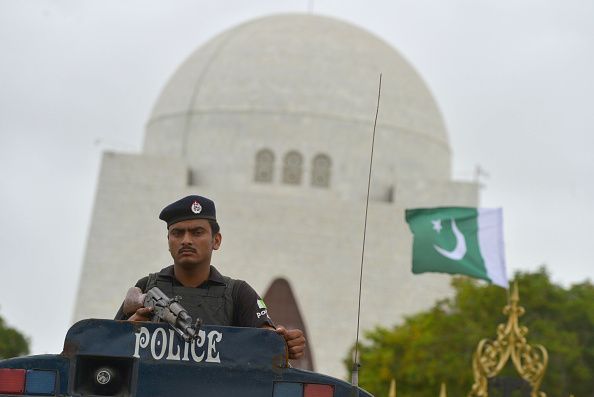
(191, 243)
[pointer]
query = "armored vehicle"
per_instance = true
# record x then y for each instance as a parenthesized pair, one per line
(142, 359)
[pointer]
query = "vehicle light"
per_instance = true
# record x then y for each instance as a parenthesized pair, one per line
(12, 381)
(288, 389)
(40, 382)
(317, 390)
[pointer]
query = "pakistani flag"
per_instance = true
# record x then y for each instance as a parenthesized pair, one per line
(459, 240)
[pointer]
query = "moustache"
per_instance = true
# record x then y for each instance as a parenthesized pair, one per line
(186, 249)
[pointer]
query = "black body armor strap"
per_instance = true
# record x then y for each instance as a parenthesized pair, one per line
(213, 304)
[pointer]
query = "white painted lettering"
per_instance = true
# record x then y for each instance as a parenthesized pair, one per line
(142, 341)
(169, 347)
(170, 354)
(198, 342)
(162, 343)
(185, 356)
(213, 338)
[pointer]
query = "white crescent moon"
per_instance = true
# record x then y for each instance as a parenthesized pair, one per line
(460, 250)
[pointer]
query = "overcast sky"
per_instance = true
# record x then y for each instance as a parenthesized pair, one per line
(513, 80)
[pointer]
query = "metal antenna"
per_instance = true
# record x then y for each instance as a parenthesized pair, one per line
(356, 365)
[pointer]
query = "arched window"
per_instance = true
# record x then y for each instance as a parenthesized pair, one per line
(320, 171)
(292, 168)
(283, 307)
(264, 166)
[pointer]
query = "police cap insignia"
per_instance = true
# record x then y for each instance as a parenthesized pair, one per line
(190, 207)
(196, 207)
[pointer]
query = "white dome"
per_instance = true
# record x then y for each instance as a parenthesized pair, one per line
(304, 83)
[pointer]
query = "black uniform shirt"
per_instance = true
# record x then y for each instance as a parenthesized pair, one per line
(247, 311)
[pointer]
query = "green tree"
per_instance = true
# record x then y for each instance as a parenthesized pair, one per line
(437, 345)
(12, 342)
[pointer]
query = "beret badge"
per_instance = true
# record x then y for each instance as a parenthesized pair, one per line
(196, 207)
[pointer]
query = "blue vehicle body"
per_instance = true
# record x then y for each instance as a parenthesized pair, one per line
(119, 358)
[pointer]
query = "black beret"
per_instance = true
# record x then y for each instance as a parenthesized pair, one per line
(190, 207)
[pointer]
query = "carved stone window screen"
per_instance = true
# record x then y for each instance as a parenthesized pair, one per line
(292, 168)
(320, 172)
(264, 171)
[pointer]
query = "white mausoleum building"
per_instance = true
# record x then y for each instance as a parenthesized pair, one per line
(273, 120)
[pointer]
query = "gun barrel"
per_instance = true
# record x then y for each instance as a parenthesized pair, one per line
(172, 312)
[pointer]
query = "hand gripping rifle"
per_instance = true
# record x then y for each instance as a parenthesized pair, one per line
(165, 309)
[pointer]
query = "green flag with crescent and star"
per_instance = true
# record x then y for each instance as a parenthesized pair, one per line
(459, 240)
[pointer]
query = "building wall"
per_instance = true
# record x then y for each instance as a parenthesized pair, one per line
(314, 241)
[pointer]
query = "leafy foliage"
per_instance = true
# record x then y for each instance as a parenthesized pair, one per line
(437, 345)
(12, 342)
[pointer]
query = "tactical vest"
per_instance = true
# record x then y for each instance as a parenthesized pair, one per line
(213, 304)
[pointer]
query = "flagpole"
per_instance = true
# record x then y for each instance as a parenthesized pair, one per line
(356, 365)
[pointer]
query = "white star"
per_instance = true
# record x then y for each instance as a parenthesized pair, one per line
(437, 225)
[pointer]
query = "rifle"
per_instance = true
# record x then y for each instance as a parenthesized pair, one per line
(165, 309)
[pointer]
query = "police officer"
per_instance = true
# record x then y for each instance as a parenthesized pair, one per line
(193, 233)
